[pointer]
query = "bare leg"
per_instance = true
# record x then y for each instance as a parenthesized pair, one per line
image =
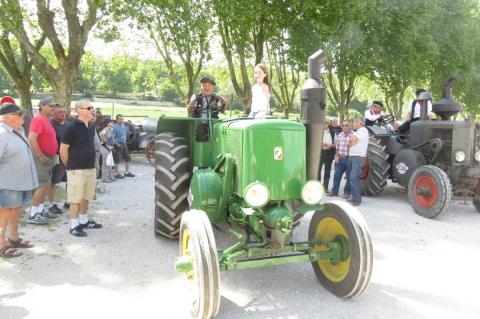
(83, 206)
(4, 214)
(74, 210)
(39, 195)
(51, 193)
(13, 220)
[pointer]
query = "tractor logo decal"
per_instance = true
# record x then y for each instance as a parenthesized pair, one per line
(401, 168)
(278, 153)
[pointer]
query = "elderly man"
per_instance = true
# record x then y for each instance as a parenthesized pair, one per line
(356, 159)
(205, 105)
(18, 177)
(77, 151)
(341, 160)
(374, 113)
(43, 139)
(59, 174)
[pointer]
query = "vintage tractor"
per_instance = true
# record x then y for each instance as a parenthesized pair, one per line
(434, 157)
(249, 179)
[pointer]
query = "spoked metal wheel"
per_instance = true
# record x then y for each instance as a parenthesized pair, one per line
(429, 191)
(342, 222)
(198, 243)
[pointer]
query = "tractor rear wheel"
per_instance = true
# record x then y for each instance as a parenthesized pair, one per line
(429, 191)
(374, 173)
(198, 243)
(172, 180)
(340, 221)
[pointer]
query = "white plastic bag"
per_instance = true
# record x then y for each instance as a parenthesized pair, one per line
(109, 161)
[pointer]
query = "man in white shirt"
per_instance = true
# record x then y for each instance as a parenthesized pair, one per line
(374, 113)
(326, 158)
(414, 113)
(356, 159)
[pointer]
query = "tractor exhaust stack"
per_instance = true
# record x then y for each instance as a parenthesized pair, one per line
(313, 102)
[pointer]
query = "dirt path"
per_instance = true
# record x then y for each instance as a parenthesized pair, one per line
(422, 268)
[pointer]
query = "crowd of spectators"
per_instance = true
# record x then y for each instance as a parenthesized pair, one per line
(57, 149)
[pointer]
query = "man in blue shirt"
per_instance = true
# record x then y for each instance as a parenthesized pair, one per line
(120, 148)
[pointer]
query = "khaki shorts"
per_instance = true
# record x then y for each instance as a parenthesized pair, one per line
(81, 184)
(44, 171)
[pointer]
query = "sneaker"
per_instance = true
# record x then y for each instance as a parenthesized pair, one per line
(91, 225)
(37, 219)
(54, 209)
(129, 174)
(119, 176)
(46, 214)
(78, 231)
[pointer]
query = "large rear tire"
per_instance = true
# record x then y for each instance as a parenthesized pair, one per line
(198, 243)
(172, 180)
(340, 221)
(374, 173)
(429, 191)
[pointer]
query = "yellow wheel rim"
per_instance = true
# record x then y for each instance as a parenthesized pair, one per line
(327, 230)
(186, 251)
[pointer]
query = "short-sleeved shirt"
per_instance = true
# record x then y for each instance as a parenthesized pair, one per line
(341, 143)
(327, 139)
(46, 136)
(120, 133)
(81, 153)
(17, 168)
(360, 148)
(59, 130)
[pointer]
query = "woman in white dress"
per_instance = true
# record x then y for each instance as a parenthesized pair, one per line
(260, 107)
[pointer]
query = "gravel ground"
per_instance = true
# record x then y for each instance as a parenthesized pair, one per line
(422, 268)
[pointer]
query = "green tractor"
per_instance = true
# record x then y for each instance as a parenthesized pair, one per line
(250, 180)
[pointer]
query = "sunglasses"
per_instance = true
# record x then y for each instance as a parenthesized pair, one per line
(87, 108)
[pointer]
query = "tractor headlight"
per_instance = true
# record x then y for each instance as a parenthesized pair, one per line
(256, 194)
(459, 156)
(477, 156)
(313, 192)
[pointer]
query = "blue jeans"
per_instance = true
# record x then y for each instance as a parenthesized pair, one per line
(340, 168)
(14, 199)
(355, 164)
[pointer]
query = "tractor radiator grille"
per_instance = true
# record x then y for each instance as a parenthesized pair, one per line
(235, 141)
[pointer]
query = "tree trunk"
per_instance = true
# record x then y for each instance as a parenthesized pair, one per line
(62, 92)
(25, 97)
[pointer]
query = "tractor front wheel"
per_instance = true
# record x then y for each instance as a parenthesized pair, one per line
(429, 191)
(340, 221)
(198, 243)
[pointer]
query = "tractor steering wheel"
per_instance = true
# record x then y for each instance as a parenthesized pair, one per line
(384, 120)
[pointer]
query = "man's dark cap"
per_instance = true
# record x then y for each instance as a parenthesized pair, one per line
(206, 79)
(9, 108)
(418, 91)
(47, 101)
(378, 103)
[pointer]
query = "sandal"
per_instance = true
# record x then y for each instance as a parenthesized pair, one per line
(9, 252)
(20, 243)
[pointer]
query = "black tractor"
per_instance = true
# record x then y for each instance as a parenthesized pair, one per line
(435, 159)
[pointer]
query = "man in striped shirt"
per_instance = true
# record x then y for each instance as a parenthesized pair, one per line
(341, 160)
